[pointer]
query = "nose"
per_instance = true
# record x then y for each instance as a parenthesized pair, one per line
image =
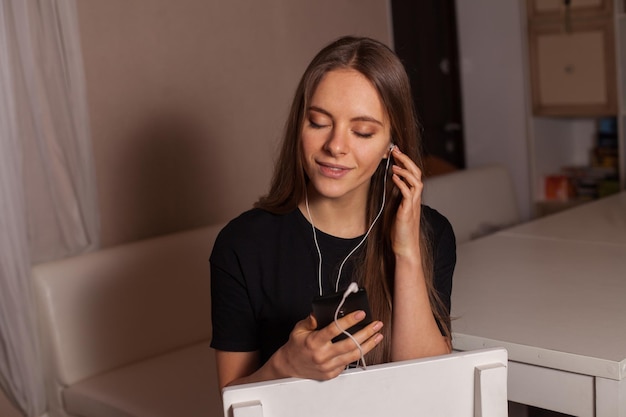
(337, 143)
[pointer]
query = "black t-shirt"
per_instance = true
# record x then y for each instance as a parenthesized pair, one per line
(264, 275)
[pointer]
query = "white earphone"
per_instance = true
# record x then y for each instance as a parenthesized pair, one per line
(389, 150)
(352, 289)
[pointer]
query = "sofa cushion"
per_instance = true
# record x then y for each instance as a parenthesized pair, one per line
(179, 383)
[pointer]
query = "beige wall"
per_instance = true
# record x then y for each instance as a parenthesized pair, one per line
(188, 99)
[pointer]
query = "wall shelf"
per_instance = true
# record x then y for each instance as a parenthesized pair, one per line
(577, 72)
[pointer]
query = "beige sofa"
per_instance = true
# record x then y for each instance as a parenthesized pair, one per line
(477, 201)
(126, 330)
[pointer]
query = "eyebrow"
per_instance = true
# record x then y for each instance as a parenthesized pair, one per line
(354, 119)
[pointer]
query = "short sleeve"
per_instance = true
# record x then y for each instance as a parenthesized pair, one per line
(444, 253)
(233, 320)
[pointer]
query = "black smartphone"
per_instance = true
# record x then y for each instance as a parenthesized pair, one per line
(324, 308)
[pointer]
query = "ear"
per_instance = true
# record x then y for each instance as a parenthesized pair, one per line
(389, 150)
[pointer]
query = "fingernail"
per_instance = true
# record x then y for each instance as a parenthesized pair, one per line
(359, 315)
(378, 325)
(378, 338)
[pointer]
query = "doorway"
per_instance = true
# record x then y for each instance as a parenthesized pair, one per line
(425, 39)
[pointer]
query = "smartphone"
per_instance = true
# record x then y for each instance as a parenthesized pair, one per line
(324, 308)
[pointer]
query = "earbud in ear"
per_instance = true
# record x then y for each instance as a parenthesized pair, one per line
(389, 150)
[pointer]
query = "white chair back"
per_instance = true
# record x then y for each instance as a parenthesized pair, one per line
(465, 384)
(476, 201)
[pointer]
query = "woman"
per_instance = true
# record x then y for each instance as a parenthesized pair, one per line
(331, 218)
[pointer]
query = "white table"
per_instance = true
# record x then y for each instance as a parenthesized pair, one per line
(602, 221)
(553, 293)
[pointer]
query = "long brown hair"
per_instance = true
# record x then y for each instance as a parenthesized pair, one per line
(384, 70)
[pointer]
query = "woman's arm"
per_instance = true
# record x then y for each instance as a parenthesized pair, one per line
(232, 366)
(415, 333)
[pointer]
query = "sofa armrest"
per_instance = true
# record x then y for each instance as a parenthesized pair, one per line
(119, 305)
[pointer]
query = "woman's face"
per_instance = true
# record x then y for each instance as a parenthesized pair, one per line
(345, 135)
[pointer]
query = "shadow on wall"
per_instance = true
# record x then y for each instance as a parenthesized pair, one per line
(171, 181)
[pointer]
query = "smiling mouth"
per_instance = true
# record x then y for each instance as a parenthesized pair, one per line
(333, 171)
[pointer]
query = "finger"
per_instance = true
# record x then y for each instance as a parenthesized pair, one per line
(406, 168)
(367, 340)
(368, 331)
(412, 175)
(402, 185)
(370, 344)
(361, 336)
(306, 325)
(311, 322)
(409, 183)
(405, 161)
(346, 322)
(347, 351)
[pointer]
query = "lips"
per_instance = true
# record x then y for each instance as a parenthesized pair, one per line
(332, 170)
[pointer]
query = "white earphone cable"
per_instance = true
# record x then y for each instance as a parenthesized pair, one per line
(344, 331)
(319, 254)
(380, 211)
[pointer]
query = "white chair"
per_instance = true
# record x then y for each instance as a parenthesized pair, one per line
(464, 384)
(476, 201)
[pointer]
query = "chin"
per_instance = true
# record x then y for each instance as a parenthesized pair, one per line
(333, 191)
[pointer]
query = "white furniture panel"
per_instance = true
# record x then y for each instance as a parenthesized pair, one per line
(459, 384)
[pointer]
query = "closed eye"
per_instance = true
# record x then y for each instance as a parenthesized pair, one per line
(314, 125)
(363, 135)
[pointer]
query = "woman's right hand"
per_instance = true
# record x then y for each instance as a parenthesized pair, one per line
(311, 354)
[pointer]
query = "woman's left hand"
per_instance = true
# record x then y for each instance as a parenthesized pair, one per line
(405, 236)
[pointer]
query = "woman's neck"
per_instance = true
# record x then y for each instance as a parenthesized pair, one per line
(343, 218)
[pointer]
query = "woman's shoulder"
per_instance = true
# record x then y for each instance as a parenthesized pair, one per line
(256, 234)
(249, 221)
(255, 222)
(252, 217)
(435, 219)
(439, 225)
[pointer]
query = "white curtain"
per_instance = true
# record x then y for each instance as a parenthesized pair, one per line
(48, 204)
